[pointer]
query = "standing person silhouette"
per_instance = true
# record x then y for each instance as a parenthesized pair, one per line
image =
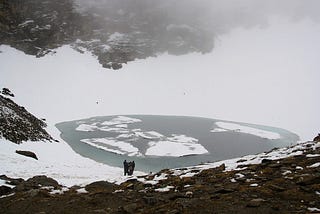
(133, 165)
(125, 167)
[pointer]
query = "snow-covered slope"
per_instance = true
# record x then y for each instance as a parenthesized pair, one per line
(274, 83)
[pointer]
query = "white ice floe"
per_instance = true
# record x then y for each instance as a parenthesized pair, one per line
(174, 149)
(120, 120)
(182, 139)
(218, 130)
(227, 126)
(106, 143)
(113, 129)
(149, 134)
(86, 128)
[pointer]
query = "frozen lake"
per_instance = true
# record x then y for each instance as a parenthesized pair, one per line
(158, 142)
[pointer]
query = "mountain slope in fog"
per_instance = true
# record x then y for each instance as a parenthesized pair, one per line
(114, 31)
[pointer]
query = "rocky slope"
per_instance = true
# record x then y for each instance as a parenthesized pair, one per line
(17, 124)
(115, 31)
(282, 185)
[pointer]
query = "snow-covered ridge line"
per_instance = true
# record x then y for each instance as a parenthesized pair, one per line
(275, 154)
(237, 163)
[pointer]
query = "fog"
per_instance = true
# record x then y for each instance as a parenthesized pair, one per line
(218, 16)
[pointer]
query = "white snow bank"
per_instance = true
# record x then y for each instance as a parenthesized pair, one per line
(232, 164)
(56, 160)
(227, 126)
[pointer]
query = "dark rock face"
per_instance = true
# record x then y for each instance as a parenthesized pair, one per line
(36, 183)
(4, 190)
(17, 124)
(317, 139)
(27, 154)
(115, 31)
(7, 92)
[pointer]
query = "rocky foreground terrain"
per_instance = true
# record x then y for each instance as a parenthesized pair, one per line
(285, 185)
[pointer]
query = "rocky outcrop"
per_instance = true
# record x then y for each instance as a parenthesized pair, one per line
(115, 31)
(17, 124)
(27, 154)
(287, 185)
(317, 139)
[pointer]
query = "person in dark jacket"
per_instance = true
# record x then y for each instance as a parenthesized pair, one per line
(125, 167)
(133, 165)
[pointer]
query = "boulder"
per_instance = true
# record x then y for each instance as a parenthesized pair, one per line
(4, 190)
(27, 154)
(37, 182)
(317, 139)
(100, 186)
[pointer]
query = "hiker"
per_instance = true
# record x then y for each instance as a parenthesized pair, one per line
(125, 167)
(133, 165)
(130, 171)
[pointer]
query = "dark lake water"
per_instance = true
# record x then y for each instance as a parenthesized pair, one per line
(179, 141)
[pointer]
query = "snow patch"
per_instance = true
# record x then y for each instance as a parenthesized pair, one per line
(164, 189)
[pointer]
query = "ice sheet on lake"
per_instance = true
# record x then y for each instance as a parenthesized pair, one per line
(149, 134)
(120, 120)
(227, 126)
(160, 145)
(175, 148)
(112, 145)
(86, 128)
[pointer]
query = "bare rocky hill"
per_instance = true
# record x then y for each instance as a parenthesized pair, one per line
(17, 124)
